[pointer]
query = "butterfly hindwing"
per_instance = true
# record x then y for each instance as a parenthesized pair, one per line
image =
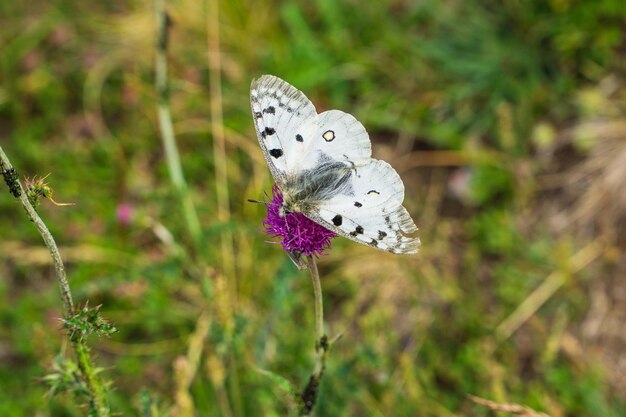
(373, 213)
(392, 232)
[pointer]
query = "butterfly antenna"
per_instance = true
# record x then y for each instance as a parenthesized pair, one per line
(250, 200)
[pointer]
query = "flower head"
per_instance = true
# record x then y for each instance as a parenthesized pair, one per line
(37, 188)
(124, 214)
(298, 234)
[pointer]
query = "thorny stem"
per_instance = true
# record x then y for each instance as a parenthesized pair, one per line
(309, 395)
(167, 129)
(66, 294)
(94, 382)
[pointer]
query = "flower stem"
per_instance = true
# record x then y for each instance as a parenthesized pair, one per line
(66, 294)
(94, 383)
(96, 386)
(308, 396)
(319, 304)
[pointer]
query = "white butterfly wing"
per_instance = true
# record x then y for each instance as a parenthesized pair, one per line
(294, 137)
(332, 135)
(373, 213)
(279, 110)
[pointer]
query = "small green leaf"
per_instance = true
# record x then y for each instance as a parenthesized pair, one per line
(282, 383)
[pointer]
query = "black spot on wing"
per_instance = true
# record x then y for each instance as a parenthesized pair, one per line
(358, 231)
(357, 204)
(267, 132)
(371, 192)
(276, 153)
(381, 235)
(374, 242)
(299, 138)
(258, 114)
(337, 220)
(270, 110)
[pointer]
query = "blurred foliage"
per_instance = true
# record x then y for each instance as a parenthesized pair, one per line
(499, 85)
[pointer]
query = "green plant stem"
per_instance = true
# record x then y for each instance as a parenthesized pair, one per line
(308, 396)
(319, 303)
(64, 286)
(94, 383)
(92, 379)
(167, 128)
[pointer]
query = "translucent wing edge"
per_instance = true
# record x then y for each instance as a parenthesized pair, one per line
(266, 82)
(405, 245)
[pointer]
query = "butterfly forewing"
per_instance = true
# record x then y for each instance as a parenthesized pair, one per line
(332, 136)
(278, 110)
(294, 137)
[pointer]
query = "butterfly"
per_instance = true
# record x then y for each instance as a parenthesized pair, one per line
(323, 166)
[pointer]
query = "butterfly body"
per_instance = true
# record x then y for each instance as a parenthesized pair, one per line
(305, 191)
(322, 164)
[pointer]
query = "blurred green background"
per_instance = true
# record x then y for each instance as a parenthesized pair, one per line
(506, 121)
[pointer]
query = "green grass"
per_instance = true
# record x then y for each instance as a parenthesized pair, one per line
(477, 79)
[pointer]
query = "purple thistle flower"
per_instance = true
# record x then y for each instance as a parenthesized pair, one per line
(299, 235)
(124, 214)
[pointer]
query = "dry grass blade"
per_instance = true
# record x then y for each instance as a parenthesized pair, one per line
(546, 289)
(186, 367)
(512, 408)
(219, 141)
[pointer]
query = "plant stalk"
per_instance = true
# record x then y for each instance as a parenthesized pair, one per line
(308, 396)
(94, 383)
(220, 160)
(166, 126)
(319, 302)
